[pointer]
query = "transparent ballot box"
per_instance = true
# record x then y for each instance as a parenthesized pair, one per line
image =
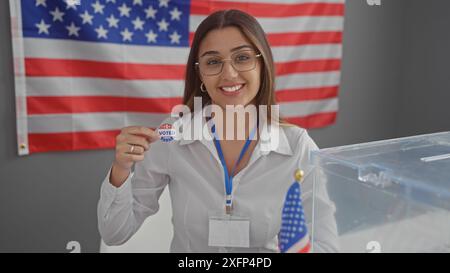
(389, 196)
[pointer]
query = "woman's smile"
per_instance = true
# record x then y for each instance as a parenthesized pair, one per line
(232, 90)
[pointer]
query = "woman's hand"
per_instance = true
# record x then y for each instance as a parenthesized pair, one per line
(131, 144)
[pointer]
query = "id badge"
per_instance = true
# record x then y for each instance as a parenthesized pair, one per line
(229, 231)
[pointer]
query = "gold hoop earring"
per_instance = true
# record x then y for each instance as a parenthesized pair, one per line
(202, 89)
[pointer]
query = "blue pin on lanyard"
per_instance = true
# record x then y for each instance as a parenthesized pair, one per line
(228, 177)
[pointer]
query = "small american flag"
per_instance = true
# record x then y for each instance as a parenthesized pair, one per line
(294, 235)
(86, 68)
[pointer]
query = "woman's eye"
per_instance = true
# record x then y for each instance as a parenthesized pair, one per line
(242, 58)
(212, 62)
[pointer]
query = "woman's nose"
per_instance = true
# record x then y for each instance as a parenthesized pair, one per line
(228, 71)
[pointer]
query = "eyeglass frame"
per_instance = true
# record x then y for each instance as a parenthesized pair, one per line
(197, 64)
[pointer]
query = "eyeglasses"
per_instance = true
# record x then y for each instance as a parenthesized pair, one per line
(241, 61)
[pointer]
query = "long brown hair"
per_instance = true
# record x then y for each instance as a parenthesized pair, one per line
(253, 31)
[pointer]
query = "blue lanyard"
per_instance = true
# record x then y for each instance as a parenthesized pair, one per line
(228, 177)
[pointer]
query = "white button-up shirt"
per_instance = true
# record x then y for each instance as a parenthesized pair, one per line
(193, 172)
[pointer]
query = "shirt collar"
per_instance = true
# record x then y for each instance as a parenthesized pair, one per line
(275, 139)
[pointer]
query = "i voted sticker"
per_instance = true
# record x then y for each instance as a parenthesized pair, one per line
(166, 132)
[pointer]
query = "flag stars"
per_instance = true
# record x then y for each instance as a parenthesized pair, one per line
(72, 4)
(126, 35)
(73, 29)
(151, 36)
(41, 3)
(57, 15)
(98, 8)
(174, 38)
(164, 3)
(293, 227)
(124, 10)
(115, 21)
(87, 18)
(43, 27)
(112, 21)
(138, 23)
(101, 32)
(175, 14)
(150, 12)
(163, 25)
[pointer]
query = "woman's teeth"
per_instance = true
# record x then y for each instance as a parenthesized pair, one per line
(232, 88)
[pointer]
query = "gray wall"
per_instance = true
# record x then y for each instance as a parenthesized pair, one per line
(425, 90)
(371, 74)
(394, 83)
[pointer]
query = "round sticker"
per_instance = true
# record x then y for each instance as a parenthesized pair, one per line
(166, 132)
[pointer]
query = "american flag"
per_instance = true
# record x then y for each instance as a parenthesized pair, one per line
(294, 235)
(84, 69)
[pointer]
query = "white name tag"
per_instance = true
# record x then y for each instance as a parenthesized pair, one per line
(229, 231)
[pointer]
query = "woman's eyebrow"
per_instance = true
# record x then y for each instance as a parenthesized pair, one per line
(241, 47)
(213, 52)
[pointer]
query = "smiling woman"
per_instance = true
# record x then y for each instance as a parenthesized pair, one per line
(248, 77)
(239, 81)
(227, 195)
